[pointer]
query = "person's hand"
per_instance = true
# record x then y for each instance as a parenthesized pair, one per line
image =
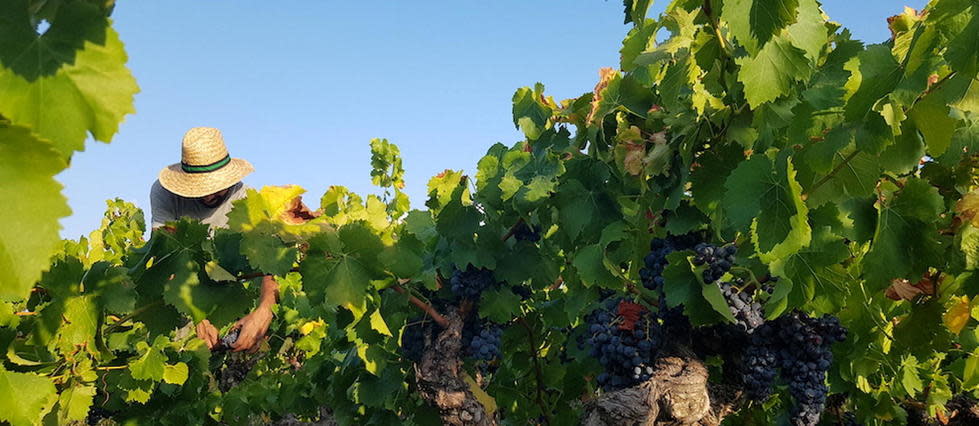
(208, 333)
(252, 329)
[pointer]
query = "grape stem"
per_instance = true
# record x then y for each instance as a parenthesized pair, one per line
(425, 307)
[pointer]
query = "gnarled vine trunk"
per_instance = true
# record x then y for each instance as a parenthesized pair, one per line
(440, 381)
(677, 394)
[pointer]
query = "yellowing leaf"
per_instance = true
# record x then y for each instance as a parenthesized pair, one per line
(310, 326)
(958, 314)
(968, 206)
(489, 404)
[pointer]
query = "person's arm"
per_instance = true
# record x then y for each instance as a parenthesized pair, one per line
(254, 325)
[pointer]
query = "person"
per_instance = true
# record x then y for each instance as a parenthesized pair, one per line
(202, 186)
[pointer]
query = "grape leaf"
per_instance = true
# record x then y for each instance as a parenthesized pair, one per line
(175, 374)
(76, 69)
(74, 402)
(904, 241)
(754, 22)
(530, 114)
(930, 115)
(499, 305)
(36, 396)
(781, 227)
(772, 72)
(874, 72)
(27, 166)
(149, 366)
(684, 287)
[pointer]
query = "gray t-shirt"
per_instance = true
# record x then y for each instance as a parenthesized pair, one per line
(167, 206)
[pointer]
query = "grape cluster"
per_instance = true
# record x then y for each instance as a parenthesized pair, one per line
(651, 274)
(748, 312)
(470, 283)
(98, 416)
(525, 232)
(759, 364)
(413, 338)
(235, 369)
(523, 291)
(718, 260)
(485, 346)
(625, 351)
(799, 346)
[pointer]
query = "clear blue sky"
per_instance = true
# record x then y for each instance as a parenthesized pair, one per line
(300, 88)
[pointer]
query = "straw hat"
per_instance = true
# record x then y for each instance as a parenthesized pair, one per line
(205, 166)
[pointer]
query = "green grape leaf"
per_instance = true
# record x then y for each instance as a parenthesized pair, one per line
(530, 114)
(707, 181)
(910, 380)
(809, 32)
(589, 261)
(76, 69)
(745, 188)
(904, 243)
(80, 324)
(875, 73)
(905, 153)
(27, 166)
(930, 115)
(963, 51)
(782, 227)
(499, 305)
(150, 366)
(712, 294)
(754, 22)
(175, 374)
(74, 402)
(183, 289)
(36, 396)
(378, 324)
(684, 287)
(810, 269)
(267, 252)
(636, 42)
(772, 72)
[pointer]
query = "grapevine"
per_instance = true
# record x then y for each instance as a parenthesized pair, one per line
(752, 218)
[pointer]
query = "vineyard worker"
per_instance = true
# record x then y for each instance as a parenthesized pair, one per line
(202, 186)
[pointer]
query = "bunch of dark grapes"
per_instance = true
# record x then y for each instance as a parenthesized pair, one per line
(525, 232)
(804, 356)
(718, 260)
(523, 291)
(624, 338)
(98, 416)
(651, 274)
(748, 312)
(759, 363)
(235, 369)
(413, 338)
(227, 342)
(470, 283)
(485, 346)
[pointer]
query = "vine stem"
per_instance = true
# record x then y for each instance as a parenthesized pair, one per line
(824, 179)
(112, 367)
(537, 369)
(425, 307)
